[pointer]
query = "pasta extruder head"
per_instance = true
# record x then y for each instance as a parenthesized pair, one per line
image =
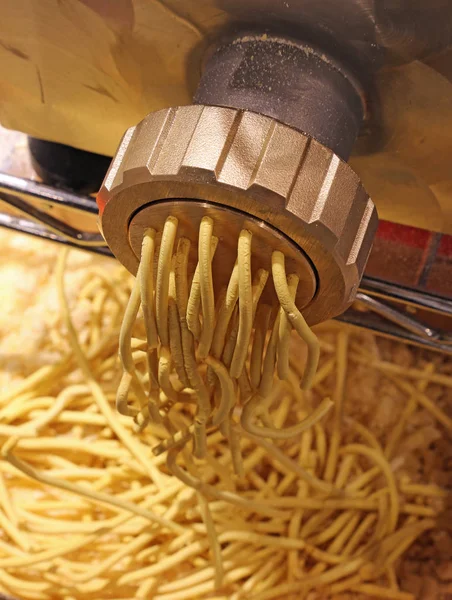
(264, 147)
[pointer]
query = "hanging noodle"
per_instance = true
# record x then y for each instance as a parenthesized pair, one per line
(193, 348)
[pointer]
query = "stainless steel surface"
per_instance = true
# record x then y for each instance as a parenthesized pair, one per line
(409, 297)
(393, 326)
(37, 229)
(419, 330)
(398, 312)
(17, 193)
(381, 326)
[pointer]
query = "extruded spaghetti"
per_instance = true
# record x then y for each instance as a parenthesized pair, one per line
(214, 359)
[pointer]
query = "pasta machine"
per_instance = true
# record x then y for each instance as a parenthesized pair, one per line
(300, 118)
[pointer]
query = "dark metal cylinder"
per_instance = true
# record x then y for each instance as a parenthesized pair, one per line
(287, 80)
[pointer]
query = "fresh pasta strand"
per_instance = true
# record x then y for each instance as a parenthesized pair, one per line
(186, 330)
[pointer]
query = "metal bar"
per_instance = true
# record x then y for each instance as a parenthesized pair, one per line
(17, 191)
(404, 321)
(398, 293)
(82, 238)
(28, 227)
(374, 322)
(27, 188)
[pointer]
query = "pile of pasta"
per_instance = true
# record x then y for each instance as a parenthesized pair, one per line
(88, 510)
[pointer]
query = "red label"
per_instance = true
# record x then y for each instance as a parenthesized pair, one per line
(404, 234)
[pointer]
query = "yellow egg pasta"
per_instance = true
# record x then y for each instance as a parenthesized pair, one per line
(191, 491)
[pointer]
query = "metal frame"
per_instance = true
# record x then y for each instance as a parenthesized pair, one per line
(384, 319)
(384, 302)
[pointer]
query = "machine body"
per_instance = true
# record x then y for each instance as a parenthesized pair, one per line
(270, 100)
